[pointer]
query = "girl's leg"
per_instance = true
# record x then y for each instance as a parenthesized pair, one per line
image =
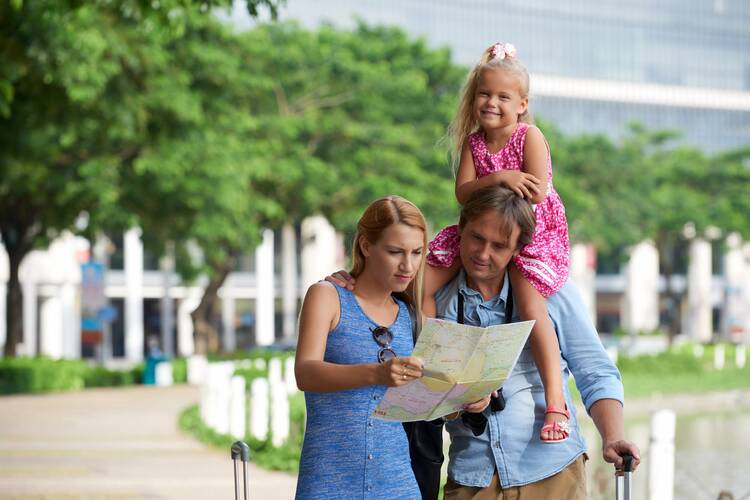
(434, 279)
(544, 347)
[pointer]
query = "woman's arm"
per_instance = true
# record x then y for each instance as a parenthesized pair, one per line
(318, 317)
(535, 155)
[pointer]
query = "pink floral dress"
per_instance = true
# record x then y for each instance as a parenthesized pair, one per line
(545, 261)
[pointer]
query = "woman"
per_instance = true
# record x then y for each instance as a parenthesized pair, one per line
(352, 346)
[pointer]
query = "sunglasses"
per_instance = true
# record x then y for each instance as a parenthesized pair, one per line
(383, 336)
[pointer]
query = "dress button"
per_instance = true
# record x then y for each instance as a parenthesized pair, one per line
(369, 488)
(369, 423)
(369, 457)
(375, 397)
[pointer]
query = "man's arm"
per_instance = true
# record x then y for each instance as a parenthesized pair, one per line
(607, 416)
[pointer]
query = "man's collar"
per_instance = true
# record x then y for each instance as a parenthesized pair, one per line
(467, 291)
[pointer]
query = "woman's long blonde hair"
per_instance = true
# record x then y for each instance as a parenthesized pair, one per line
(465, 123)
(381, 214)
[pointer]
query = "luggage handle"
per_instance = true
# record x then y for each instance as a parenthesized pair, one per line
(622, 479)
(241, 452)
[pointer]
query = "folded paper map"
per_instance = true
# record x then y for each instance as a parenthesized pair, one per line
(462, 364)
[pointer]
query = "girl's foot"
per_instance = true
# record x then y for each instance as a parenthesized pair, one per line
(556, 428)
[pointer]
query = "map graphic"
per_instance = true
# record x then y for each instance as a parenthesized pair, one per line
(462, 364)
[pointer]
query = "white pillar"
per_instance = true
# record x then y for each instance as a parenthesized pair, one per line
(51, 327)
(28, 289)
(71, 316)
(185, 342)
(746, 294)
(274, 371)
(237, 407)
(319, 250)
(289, 288)
(166, 265)
(221, 388)
(279, 413)
(733, 311)
(4, 276)
(661, 456)
(164, 376)
(739, 356)
(133, 295)
(698, 314)
(259, 409)
(583, 275)
(641, 299)
(229, 335)
(264, 301)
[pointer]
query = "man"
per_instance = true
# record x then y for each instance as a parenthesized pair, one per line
(508, 460)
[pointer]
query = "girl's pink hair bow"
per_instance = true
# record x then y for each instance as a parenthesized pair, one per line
(503, 50)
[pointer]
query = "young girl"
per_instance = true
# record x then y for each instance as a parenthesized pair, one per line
(495, 143)
(352, 345)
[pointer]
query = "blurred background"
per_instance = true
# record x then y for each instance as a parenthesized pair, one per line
(174, 174)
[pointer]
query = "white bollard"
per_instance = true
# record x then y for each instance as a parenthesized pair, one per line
(289, 378)
(719, 357)
(260, 363)
(259, 409)
(698, 351)
(237, 407)
(208, 407)
(739, 356)
(274, 371)
(163, 374)
(221, 390)
(661, 456)
(279, 413)
(197, 366)
(613, 354)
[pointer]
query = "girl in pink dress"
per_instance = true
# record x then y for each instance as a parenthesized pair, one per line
(495, 143)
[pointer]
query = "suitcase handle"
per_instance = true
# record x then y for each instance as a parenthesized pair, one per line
(241, 452)
(622, 480)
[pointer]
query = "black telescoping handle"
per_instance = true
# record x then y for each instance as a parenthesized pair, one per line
(627, 463)
(240, 450)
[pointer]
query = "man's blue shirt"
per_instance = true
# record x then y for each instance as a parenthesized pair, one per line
(511, 443)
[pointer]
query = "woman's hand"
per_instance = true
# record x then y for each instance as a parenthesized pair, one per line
(399, 371)
(523, 184)
(341, 278)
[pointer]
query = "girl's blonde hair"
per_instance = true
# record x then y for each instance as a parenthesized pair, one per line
(381, 214)
(465, 123)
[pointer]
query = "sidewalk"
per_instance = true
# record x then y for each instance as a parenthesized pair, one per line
(120, 443)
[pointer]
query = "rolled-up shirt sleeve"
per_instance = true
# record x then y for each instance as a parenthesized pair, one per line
(596, 376)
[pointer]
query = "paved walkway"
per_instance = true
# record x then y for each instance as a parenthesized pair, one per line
(115, 444)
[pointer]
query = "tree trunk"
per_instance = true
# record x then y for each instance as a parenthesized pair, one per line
(17, 245)
(205, 336)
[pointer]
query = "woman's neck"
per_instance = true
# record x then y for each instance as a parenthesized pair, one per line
(369, 290)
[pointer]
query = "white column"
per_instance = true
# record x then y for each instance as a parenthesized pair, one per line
(698, 315)
(166, 265)
(28, 289)
(185, 342)
(661, 456)
(583, 275)
(133, 295)
(71, 317)
(264, 302)
(4, 276)
(641, 299)
(733, 311)
(319, 247)
(289, 378)
(229, 336)
(51, 327)
(289, 288)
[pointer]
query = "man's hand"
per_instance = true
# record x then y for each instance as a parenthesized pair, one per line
(341, 278)
(614, 451)
(479, 406)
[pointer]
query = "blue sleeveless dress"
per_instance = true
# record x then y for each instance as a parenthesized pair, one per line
(347, 453)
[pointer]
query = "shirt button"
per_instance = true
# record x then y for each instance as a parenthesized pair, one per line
(369, 488)
(375, 397)
(369, 457)
(369, 423)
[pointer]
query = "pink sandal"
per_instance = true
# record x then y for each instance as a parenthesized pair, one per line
(559, 426)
